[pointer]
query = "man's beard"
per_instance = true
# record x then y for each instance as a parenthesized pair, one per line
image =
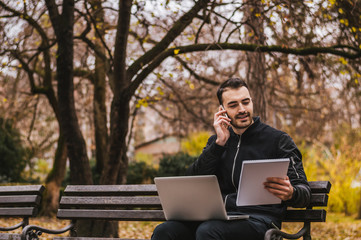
(249, 118)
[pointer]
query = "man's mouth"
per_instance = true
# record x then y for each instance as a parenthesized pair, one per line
(242, 116)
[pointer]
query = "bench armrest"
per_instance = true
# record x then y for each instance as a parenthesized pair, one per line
(273, 233)
(31, 232)
(23, 223)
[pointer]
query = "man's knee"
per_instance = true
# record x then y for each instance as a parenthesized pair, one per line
(171, 230)
(163, 231)
(159, 231)
(209, 230)
(229, 230)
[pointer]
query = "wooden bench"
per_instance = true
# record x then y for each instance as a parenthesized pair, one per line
(141, 203)
(319, 198)
(19, 202)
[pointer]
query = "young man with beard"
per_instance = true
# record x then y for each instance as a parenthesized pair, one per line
(241, 136)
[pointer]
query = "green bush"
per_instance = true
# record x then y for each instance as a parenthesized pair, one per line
(169, 165)
(175, 165)
(140, 172)
(12, 152)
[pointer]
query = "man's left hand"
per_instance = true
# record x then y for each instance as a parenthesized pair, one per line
(280, 187)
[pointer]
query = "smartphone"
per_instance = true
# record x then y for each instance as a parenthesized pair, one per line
(225, 113)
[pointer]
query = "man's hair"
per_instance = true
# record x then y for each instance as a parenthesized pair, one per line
(232, 83)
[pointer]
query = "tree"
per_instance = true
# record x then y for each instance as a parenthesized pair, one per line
(29, 61)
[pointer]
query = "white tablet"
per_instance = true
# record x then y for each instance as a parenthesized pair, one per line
(254, 173)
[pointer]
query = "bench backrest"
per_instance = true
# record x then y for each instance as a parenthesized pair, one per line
(20, 201)
(319, 198)
(141, 203)
(111, 202)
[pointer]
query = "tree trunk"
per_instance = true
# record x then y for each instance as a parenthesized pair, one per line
(123, 171)
(118, 134)
(256, 72)
(99, 102)
(99, 228)
(63, 24)
(119, 115)
(54, 180)
(257, 83)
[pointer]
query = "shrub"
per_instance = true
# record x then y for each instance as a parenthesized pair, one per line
(340, 164)
(194, 143)
(12, 152)
(175, 165)
(140, 172)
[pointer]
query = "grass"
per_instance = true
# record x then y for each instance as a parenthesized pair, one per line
(337, 227)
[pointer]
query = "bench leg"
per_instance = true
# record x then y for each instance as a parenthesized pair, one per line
(307, 235)
(275, 234)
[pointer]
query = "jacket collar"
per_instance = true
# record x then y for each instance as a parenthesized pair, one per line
(249, 130)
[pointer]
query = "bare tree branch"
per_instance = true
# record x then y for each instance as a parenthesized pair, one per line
(173, 33)
(194, 74)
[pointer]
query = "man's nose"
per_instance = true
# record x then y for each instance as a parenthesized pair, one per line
(241, 108)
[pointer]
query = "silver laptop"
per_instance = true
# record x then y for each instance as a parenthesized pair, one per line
(192, 198)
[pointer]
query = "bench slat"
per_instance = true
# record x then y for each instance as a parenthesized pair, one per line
(320, 186)
(93, 238)
(22, 190)
(110, 190)
(319, 200)
(82, 201)
(20, 200)
(18, 212)
(120, 215)
(314, 215)
(10, 236)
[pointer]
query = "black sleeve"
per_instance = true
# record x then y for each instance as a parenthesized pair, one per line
(302, 192)
(207, 162)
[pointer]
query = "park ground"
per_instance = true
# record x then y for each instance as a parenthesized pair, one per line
(337, 227)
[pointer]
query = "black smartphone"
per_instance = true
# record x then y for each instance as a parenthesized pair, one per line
(225, 113)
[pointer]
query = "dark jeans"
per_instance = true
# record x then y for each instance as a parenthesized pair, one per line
(247, 229)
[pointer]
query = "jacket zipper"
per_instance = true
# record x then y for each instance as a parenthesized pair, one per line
(234, 162)
(234, 165)
(293, 166)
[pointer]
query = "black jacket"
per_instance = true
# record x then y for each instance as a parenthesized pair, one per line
(259, 141)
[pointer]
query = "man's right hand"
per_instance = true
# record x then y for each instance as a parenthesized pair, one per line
(221, 124)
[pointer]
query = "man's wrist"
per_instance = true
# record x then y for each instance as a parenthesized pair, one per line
(220, 142)
(294, 192)
(216, 150)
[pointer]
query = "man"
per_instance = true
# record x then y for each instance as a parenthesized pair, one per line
(240, 136)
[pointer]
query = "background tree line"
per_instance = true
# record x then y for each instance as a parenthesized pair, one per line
(76, 74)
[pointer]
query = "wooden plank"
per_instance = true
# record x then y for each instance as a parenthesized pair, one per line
(119, 215)
(10, 236)
(320, 186)
(20, 200)
(314, 215)
(92, 238)
(110, 190)
(22, 190)
(18, 212)
(319, 200)
(113, 201)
